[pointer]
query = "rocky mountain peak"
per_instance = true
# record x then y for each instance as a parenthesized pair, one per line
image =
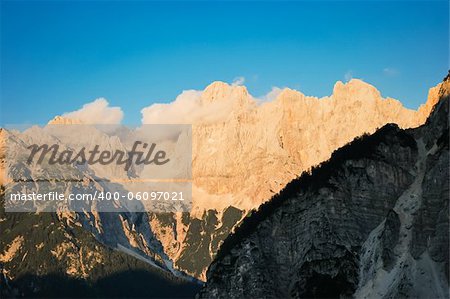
(355, 89)
(442, 89)
(287, 95)
(219, 91)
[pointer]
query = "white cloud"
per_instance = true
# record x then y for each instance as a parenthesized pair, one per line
(238, 81)
(348, 75)
(271, 95)
(390, 72)
(97, 112)
(183, 110)
(188, 108)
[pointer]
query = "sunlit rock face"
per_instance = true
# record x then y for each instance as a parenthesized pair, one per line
(370, 222)
(248, 155)
(245, 150)
(258, 148)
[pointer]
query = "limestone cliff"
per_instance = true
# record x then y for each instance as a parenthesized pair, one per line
(271, 142)
(370, 222)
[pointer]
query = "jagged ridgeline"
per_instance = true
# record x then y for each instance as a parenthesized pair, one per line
(372, 221)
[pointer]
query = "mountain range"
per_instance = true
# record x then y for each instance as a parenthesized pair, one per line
(245, 150)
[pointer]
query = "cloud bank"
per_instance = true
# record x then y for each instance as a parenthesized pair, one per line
(191, 106)
(97, 112)
(271, 95)
(188, 108)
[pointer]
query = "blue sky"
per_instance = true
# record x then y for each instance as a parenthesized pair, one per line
(57, 56)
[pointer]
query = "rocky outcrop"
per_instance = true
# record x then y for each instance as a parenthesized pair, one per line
(370, 222)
